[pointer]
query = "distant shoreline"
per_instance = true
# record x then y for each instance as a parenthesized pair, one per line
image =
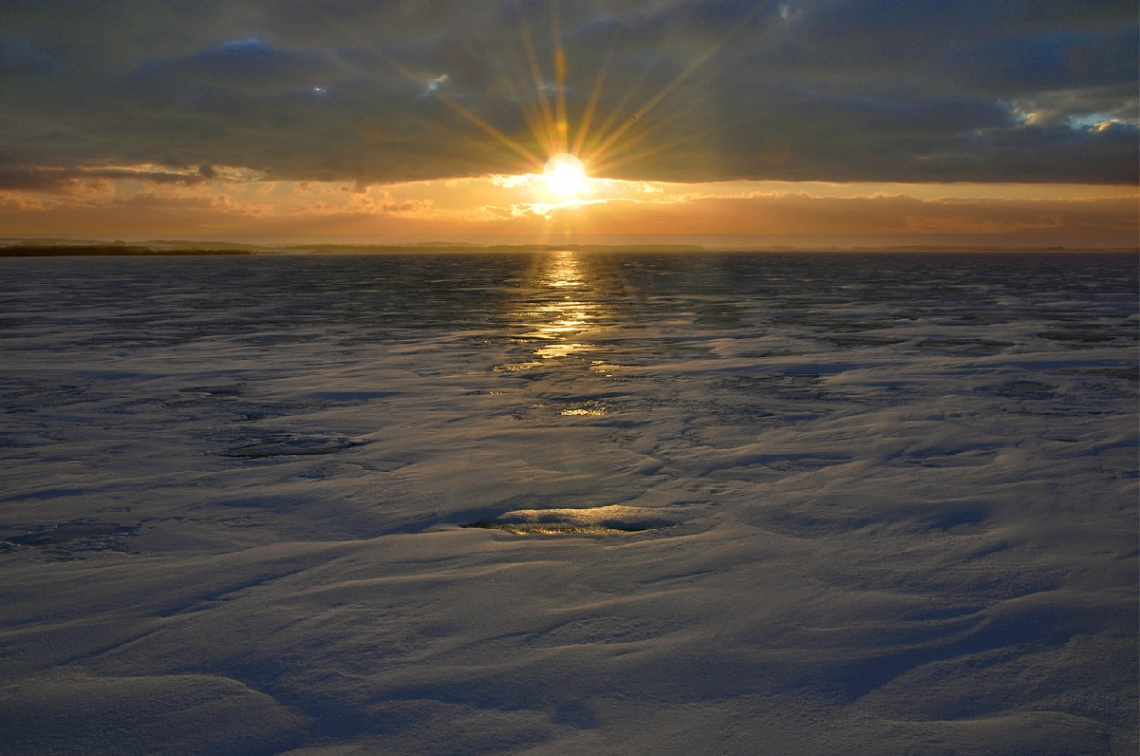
(175, 249)
(110, 250)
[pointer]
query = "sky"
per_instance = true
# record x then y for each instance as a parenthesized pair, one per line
(799, 122)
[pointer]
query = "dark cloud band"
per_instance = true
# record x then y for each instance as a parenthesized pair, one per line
(878, 90)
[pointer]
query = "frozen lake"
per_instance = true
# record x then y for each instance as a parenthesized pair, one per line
(724, 503)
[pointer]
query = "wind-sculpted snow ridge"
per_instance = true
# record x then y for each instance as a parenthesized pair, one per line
(739, 504)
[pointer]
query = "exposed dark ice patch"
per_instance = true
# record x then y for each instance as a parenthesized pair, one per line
(964, 520)
(222, 392)
(71, 536)
(1077, 337)
(593, 521)
(47, 494)
(353, 396)
(1021, 390)
(814, 520)
(575, 714)
(968, 347)
(288, 445)
(966, 456)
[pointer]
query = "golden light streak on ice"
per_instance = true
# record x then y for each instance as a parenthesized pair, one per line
(609, 520)
(555, 326)
(566, 319)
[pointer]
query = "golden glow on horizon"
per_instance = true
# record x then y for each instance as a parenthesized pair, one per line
(522, 208)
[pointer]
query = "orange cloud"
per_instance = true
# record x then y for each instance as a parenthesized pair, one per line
(235, 201)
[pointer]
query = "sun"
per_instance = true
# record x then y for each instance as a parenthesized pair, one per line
(565, 175)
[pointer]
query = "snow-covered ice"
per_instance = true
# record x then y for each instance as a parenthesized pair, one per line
(570, 503)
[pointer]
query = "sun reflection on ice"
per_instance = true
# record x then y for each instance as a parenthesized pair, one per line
(566, 318)
(563, 269)
(557, 318)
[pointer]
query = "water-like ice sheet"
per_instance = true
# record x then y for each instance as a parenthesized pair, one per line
(795, 504)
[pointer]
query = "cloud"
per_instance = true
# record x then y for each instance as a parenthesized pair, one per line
(874, 90)
(79, 180)
(977, 213)
(152, 201)
(29, 180)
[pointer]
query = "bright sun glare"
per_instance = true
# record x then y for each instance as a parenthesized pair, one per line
(565, 175)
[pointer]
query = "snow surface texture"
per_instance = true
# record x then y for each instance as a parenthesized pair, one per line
(569, 503)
